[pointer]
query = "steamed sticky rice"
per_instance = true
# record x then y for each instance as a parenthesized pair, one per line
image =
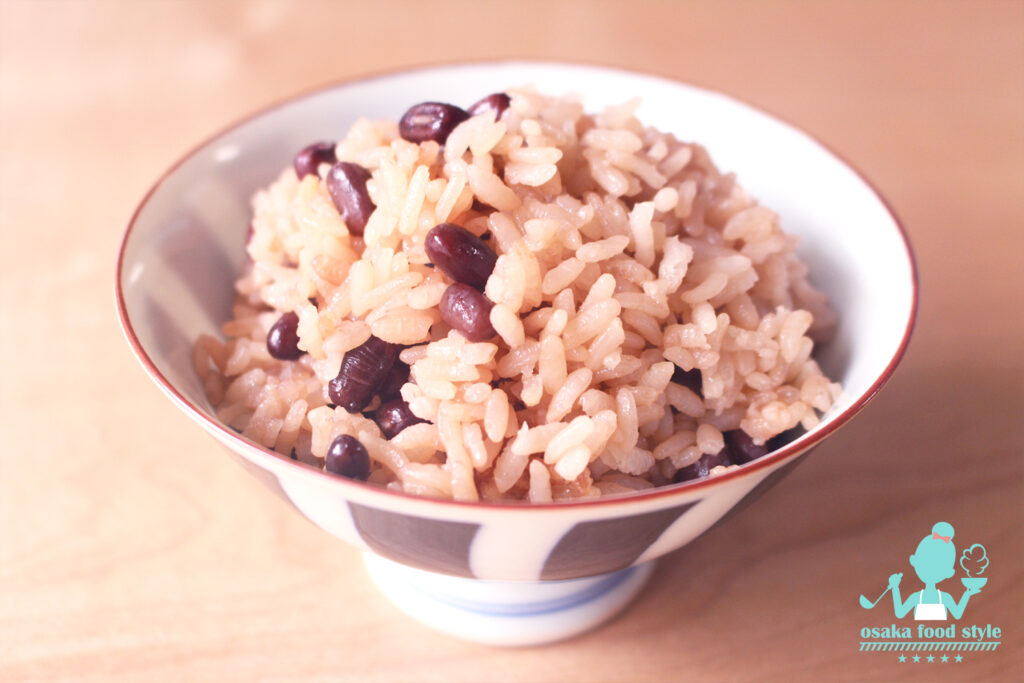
(633, 318)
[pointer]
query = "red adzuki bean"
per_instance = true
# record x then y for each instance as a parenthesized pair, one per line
(347, 457)
(702, 467)
(392, 386)
(283, 338)
(430, 121)
(468, 311)
(363, 370)
(394, 416)
(742, 447)
(308, 160)
(498, 103)
(460, 254)
(346, 183)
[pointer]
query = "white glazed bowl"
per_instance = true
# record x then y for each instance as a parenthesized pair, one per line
(185, 246)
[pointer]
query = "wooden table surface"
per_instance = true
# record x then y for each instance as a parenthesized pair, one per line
(132, 549)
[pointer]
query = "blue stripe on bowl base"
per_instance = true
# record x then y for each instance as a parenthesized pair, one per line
(539, 608)
(430, 544)
(607, 545)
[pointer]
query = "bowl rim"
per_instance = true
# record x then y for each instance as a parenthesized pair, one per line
(273, 460)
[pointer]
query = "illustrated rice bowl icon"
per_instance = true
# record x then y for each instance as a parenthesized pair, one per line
(974, 582)
(974, 560)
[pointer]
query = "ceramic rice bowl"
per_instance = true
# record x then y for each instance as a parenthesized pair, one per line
(512, 573)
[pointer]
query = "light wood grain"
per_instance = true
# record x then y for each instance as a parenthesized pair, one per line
(132, 548)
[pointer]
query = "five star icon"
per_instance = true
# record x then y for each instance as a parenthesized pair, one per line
(931, 658)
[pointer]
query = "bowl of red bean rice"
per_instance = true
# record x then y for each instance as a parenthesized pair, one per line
(515, 329)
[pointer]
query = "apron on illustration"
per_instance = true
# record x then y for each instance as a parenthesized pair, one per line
(929, 611)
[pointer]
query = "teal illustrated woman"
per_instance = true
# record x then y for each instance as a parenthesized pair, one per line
(934, 561)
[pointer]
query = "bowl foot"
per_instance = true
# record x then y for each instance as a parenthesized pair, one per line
(508, 613)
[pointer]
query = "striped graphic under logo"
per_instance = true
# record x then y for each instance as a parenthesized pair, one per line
(926, 645)
(429, 544)
(607, 545)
